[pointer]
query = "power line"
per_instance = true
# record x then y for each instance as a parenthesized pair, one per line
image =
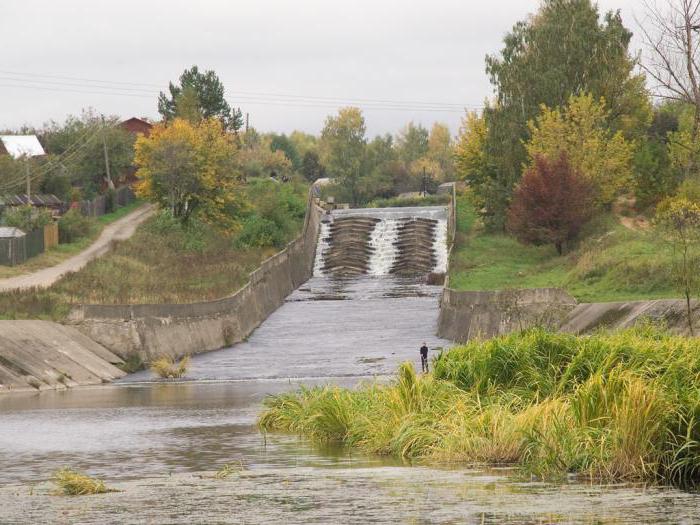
(250, 97)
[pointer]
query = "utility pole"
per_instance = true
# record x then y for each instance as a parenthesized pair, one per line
(110, 184)
(29, 181)
(246, 122)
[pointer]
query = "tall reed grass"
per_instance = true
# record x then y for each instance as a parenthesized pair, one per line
(615, 406)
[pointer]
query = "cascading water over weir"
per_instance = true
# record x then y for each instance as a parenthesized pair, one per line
(383, 241)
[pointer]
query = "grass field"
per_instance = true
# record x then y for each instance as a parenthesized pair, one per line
(611, 263)
(61, 252)
(167, 262)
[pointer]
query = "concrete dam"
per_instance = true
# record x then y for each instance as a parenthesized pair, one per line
(407, 242)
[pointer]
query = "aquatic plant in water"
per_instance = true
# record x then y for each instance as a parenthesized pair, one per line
(168, 368)
(614, 406)
(73, 483)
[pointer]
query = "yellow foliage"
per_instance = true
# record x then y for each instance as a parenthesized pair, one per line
(469, 152)
(580, 130)
(190, 168)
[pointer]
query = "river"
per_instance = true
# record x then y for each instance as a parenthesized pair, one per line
(159, 442)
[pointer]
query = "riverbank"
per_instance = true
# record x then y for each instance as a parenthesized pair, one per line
(610, 262)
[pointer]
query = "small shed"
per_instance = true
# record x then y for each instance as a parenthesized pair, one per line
(13, 249)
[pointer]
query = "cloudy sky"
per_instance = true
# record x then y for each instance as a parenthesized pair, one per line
(288, 64)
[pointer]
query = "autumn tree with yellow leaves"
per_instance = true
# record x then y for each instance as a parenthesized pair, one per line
(580, 131)
(190, 169)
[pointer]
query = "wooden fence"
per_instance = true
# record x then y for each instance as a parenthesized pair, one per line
(101, 205)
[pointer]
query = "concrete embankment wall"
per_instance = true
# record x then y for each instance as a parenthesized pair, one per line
(467, 315)
(41, 355)
(178, 329)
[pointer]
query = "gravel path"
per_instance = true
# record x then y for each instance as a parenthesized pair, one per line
(118, 230)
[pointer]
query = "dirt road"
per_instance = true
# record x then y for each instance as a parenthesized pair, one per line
(118, 230)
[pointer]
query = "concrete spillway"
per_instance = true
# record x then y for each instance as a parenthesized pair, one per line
(383, 241)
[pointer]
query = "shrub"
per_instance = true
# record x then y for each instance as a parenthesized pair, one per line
(258, 232)
(73, 226)
(72, 483)
(168, 368)
(551, 203)
(27, 218)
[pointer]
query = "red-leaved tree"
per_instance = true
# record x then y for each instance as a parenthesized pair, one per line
(551, 204)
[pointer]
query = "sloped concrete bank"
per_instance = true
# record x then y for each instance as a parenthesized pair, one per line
(41, 355)
(467, 315)
(179, 329)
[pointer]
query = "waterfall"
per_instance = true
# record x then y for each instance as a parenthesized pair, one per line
(384, 236)
(382, 240)
(324, 235)
(440, 247)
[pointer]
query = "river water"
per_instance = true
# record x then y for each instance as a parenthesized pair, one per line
(158, 442)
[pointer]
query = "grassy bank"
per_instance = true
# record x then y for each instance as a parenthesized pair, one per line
(621, 406)
(61, 252)
(167, 262)
(611, 262)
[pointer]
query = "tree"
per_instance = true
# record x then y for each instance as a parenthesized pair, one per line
(209, 93)
(678, 220)
(257, 158)
(190, 169)
(580, 131)
(472, 162)
(672, 59)
(412, 143)
(564, 50)
(343, 145)
(311, 166)
(280, 142)
(440, 151)
(551, 203)
(187, 105)
(76, 152)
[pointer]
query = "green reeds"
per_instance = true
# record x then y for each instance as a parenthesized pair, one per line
(616, 406)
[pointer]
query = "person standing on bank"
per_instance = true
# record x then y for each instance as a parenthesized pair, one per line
(424, 357)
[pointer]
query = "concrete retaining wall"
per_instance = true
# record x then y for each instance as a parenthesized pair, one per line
(41, 355)
(153, 330)
(468, 315)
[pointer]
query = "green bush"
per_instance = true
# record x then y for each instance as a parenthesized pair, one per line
(259, 232)
(276, 214)
(73, 226)
(27, 218)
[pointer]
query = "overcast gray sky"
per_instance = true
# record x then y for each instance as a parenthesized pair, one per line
(268, 53)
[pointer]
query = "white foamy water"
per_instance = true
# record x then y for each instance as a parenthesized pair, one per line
(385, 234)
(322, 247)
(440, 247)
(382, 240)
